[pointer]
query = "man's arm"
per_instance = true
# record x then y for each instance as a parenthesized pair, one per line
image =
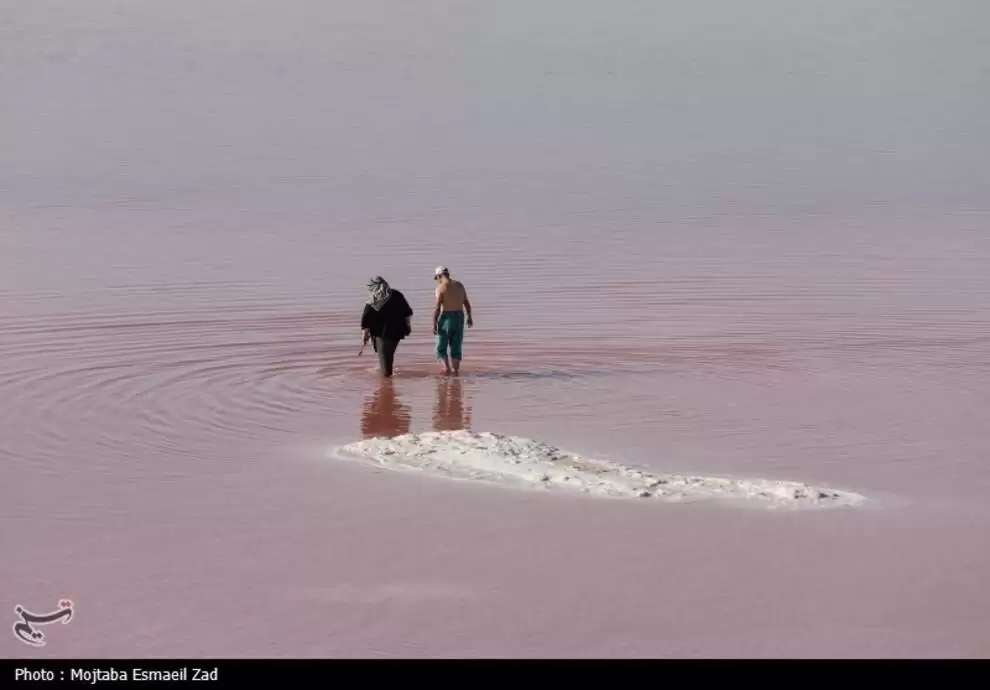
(467, 308)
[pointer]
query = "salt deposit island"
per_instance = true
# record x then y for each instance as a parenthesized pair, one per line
(523, 463)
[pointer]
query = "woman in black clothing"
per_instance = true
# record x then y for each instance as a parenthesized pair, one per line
(386, 320)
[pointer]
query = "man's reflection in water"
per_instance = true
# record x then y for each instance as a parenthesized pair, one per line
(450, 413)
(383, 414)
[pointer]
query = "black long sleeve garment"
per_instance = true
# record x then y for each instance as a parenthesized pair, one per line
(390, 321)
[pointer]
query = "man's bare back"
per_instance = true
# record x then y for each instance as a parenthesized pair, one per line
(451, 295)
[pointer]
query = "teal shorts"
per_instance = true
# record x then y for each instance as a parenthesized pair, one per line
(450, 334)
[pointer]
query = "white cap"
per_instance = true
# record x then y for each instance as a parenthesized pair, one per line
(440, 270)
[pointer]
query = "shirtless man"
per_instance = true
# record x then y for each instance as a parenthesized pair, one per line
(448, 318)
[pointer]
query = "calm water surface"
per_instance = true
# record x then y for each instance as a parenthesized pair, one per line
(697, 238)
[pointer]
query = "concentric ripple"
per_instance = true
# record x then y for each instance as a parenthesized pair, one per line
(163, 379)
(131, 380)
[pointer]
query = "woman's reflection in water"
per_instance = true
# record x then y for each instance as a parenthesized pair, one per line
(383, 414)
(450, 413)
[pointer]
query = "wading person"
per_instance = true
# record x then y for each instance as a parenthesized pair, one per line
(386, 321)
(451, 307)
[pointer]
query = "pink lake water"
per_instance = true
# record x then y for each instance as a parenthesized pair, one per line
(697, 238)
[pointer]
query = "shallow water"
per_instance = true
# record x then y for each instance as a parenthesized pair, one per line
(706, 276)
